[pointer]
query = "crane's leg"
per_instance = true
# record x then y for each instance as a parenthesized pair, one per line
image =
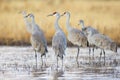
(78, 56)
(93, 52)
(36, 58)
(89, 52)
(42, 61)
(45, 60)
(57, 62)
(104, 57)
(100, 55)
(62, 63)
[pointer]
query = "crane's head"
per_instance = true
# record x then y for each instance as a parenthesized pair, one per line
(54, 14)
(66, 13)
(30, 15)
(85, 31)
(81, 22)
(23, 13)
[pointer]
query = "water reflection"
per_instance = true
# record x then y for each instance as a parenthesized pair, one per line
(21, 66)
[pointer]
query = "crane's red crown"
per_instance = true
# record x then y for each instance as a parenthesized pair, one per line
(54, 12)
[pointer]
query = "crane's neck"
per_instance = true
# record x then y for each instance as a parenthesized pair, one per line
(89, 34)
(33, 21)
(25, 18)
(27, 23)
(34, 26)
(68, 23)
(57, 27)
(24, 15)
(82, 24)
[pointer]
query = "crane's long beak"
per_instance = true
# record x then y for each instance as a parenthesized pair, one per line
(50, 15)
(22, 12)
(62, 14)
(27, 15)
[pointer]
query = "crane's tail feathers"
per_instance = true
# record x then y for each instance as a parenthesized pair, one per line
(60, 55)
(116, 48)
(88, 45)
(84, 29)
(43, 54)
(46, 50)
(59, 51)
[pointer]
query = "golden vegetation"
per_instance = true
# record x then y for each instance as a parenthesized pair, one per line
(103, 15)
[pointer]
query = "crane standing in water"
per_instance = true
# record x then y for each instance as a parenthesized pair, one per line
(59, 42)
(75, 36)
(85, 29)
(27, 22)
(102, 41)
(38, 40)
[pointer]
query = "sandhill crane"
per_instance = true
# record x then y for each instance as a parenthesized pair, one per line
(38, 40)
(27, 22)
(94, 31)
(59, 42)
(84, 29)
(102, 41)
(75, 36)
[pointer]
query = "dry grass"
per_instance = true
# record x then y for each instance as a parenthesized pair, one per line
(103, 15)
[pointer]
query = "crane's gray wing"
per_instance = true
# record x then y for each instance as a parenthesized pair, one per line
(40, 40)
(59, 43)
(76, 37)
(41, 35)
(100, 40)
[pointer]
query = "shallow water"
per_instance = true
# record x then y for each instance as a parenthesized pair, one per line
(18, 63)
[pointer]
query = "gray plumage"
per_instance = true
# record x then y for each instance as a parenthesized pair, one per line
(84, 30)
(38, 40)
(97, 39)
(75, 36)
(59, 42)
(94, 37)
(27, 22)
(88, 28)
(103, 42)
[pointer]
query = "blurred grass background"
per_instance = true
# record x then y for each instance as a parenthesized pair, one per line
(103, 15)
